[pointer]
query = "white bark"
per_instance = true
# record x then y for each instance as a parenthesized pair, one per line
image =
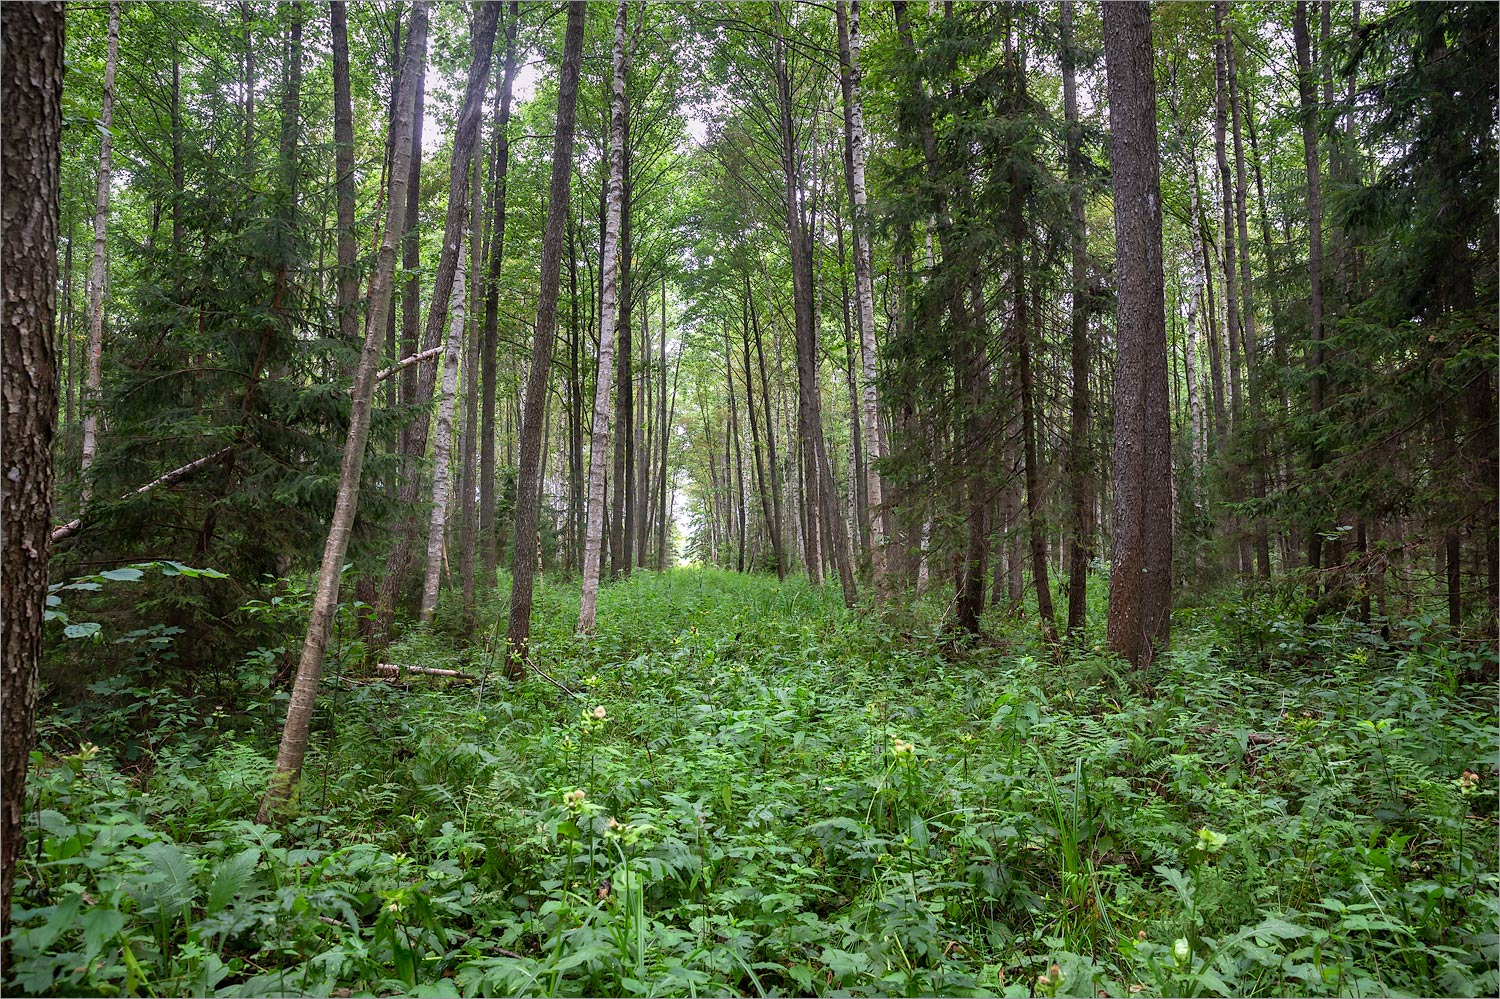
(608, 314)
(442, 450)
(865, 300)
(96, 275)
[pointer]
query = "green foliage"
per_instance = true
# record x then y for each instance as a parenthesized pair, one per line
(748, 790)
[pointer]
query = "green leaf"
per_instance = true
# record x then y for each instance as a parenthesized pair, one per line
(99, 925)
(231, 877)
(81, 629)
(127, 575)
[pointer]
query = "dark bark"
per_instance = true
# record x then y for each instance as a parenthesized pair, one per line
(343, 140)
(529, 474)
(1309, 115)
(778, 534)
(488, 541)
(31, 79)
(1141, 558)
(1080, 464)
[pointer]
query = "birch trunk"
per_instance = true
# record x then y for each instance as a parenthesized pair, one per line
(609, 304)
(96, 274)
(295, 733)
(864, 293)
(442, 451)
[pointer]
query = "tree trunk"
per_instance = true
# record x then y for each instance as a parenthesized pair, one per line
(666, 410)
(529, 473)
(1309, 108)
(809, 401)
(295, 733)
(1080, 465)
(468, 452)
(414, 445)
(609, 299)
(488, 540)
(31, 77)
(442, 453)
(1140, 598)
(864, 295)
(91, 392)
(343, 140)
(1259, 539)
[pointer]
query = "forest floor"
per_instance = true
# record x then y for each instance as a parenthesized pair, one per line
(745, 789)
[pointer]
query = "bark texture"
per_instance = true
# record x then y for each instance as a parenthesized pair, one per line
(31, 80)
(529, 473)
(609, 306)
(1140, 590)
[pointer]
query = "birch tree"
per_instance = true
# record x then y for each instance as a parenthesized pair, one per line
(442, 452)
(609, 304)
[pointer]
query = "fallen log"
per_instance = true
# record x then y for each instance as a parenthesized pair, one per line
(390, 669)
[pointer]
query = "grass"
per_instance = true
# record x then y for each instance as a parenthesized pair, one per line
(785, 798)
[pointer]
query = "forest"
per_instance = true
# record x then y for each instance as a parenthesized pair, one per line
(806, 497)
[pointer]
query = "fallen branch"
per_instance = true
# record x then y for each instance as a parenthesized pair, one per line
(73, 526)
(407, 362)
(390, 668)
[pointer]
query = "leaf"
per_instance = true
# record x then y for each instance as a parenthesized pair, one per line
(175, 891)
(99, 925)
(81, 629)
(1279, 928)
(127, 575)
(231, 877)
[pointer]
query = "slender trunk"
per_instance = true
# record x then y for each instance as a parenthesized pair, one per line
(609, 298)
(1141, 560)
(778, 545)
(465, 146)
(92, 400)
(665, 434)
(623, 508)
(343, 140)
(852, 78)
(1206, 284)
(468, 452)
(1080, 464)
(1309, 115)
(488, 538)
(529, 473)
(739, 458)
(644, 419)
(809, 403)
(411, 258)
(1259, 539)
(295, 733)
(442, 452)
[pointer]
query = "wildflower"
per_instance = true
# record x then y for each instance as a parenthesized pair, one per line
(599, 713)
(1210, 842)
(1140, 935)
(1468, 784)
(1181, 951)
(901, 747)
(574, 801)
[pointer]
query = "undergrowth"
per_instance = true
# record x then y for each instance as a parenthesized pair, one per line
(737, 787)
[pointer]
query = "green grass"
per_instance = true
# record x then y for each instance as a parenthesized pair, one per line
(1274, 811)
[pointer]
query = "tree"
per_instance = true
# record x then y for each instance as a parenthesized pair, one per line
(609, 304)
(31, 79)
(529, 473)
(854, 159)
(1080, 465)
(97, 273)
(414, 448)
(1140, 590)
(297, 729)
